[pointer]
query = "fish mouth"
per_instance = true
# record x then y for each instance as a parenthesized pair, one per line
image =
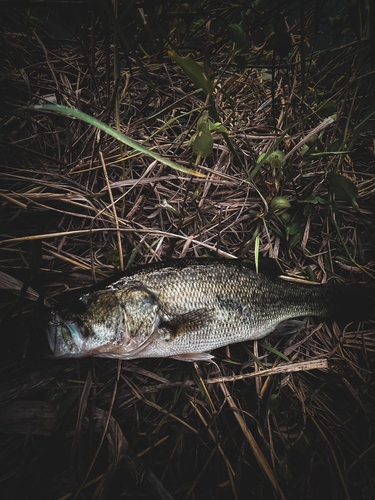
(65, 338)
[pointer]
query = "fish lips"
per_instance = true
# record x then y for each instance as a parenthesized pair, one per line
(65, 338)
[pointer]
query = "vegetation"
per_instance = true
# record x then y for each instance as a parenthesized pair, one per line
(137, 131)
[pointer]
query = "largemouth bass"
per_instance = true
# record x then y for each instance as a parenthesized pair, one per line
(186, 308)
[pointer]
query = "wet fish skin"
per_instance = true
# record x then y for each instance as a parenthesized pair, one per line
(186, 308)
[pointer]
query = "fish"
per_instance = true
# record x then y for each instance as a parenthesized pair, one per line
(185, 308)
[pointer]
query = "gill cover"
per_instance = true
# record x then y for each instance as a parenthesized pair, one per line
(114, 322)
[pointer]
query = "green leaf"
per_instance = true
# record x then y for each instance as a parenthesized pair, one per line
(295, 239)
(237, 32)
(310, 274)
(274, 401)
(293, 228)
(217, 127)
(273, 159)
(242, 45)
(203, 141)
(343, 187)
(328, 108)
(335, 146)
(279, 203)
(285, 218)
(194, 71)
(197, 193)
(310, 143)
(266, 77)
(264, 157)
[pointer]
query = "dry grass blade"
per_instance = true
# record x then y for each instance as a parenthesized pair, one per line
(263, 464)
(105, 429)
(114, 212)
(10, 283)
(81, 413)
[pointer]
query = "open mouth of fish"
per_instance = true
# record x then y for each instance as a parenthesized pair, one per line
(65, 338)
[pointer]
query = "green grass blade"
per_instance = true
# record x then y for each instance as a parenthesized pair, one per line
(74, 113)
(274, 351)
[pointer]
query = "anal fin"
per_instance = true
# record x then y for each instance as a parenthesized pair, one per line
(193, 356)
(288, 327)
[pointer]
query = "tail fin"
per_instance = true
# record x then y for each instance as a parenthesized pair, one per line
(352, 302)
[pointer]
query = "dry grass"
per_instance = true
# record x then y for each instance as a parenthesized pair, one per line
(77, 206)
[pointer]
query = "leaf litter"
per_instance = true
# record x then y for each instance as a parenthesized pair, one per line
(77, 206)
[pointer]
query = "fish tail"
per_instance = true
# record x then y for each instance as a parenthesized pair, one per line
(352, 302)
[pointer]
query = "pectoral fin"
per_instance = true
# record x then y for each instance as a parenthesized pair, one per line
(187, 322)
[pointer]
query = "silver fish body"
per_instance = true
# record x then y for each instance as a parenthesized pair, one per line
(188, 307)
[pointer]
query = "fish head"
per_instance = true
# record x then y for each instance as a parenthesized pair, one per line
(110, 323)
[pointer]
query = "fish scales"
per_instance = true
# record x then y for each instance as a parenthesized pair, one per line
(240, 308)
(188, 307)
